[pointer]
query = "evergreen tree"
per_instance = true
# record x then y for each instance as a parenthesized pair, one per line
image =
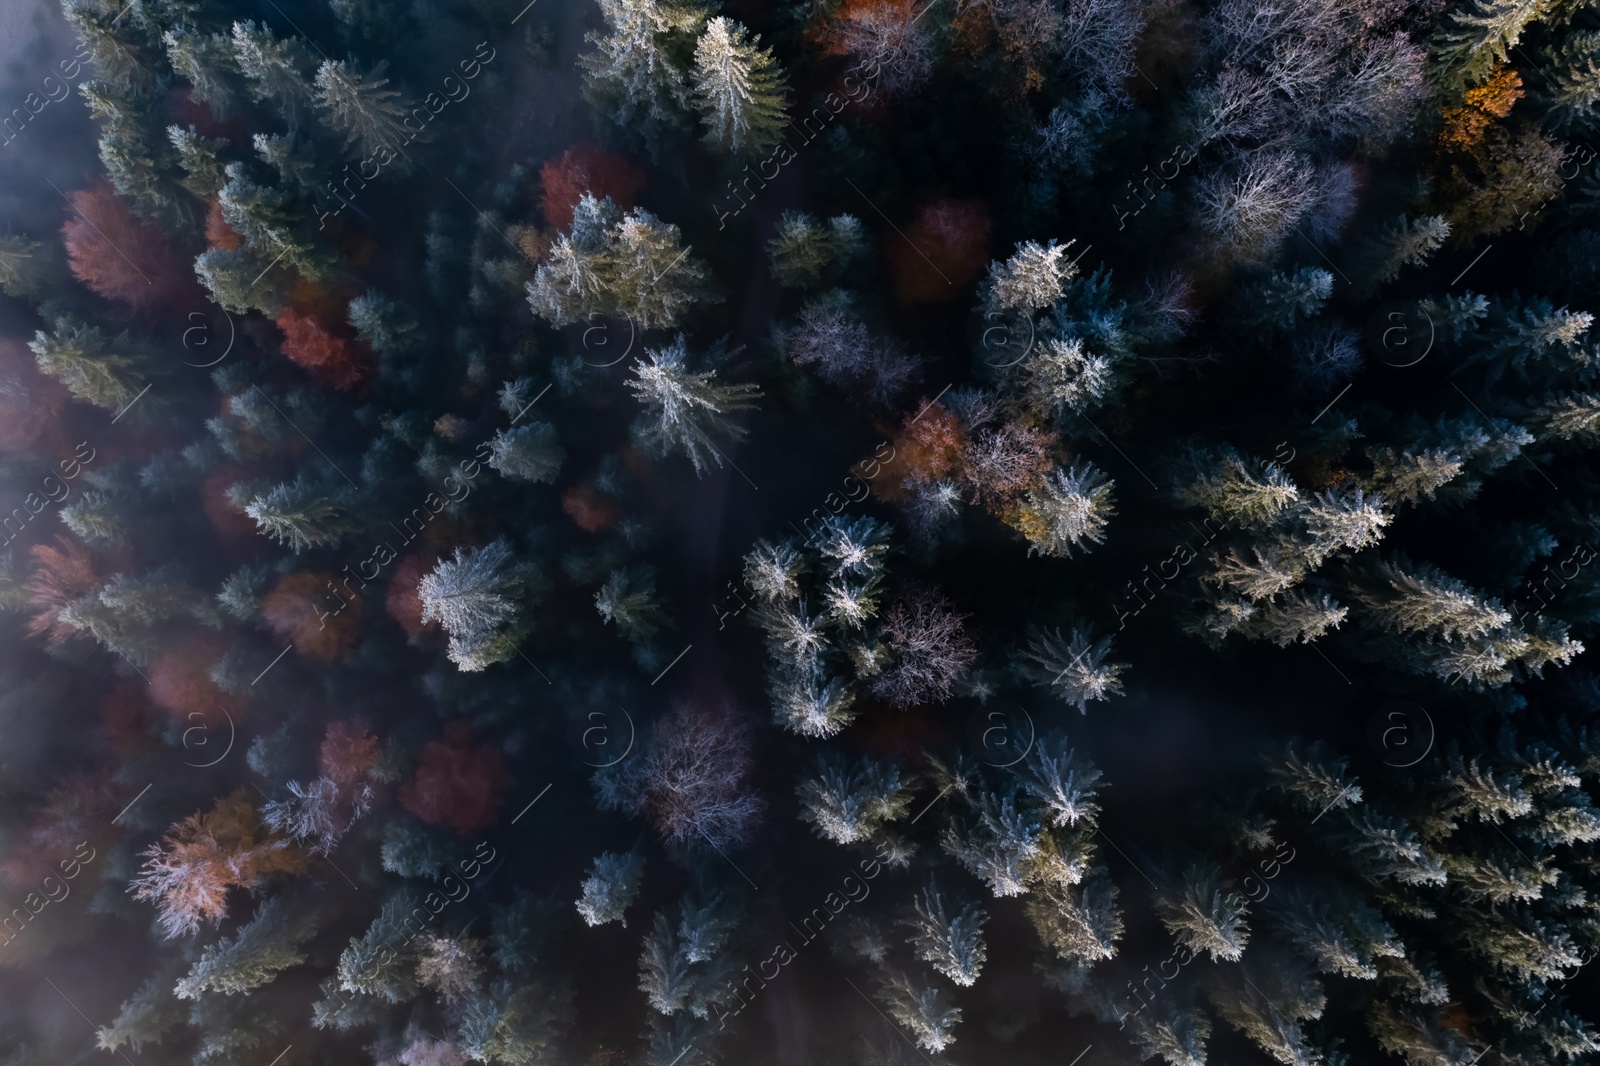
(200, 160)
(389, 328)
(1425, 600)
(262, 948)
(241, 282)
(739, 89)
(366, 114)
(807, 253)
(1080, 923)
(1058, 780)
(1177, 1037)
(145, 1018)
(1317, 779)
(848, 801)
(1077, 670)
(529, 452)
(684, 408)
(1031, 280)
(952, 945)
(1342, 521)
(1233, 492)
(923, 1009)
(628, 598)
(1068, 508)
(279, 71)
(1202, 915)
(1402, 243)
(23, 271)
(264, 217)
(302, 513)
(1280, 303)
(1571, 417)
(999, 845)
(611, 887)
(1388, 847)
(1063, 376)
(1479, 37)
(97, 518)
(478, 598)
(635, 76)
(107, 372)
(207, 60)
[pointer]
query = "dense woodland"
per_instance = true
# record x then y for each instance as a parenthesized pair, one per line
(853, 532)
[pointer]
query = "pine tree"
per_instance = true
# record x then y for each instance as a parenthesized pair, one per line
(1478, 38)
(1282, 302)
(739, 89)
(262, 948)
(207, 60)
(301, 513)
(98, 518)
(200, 160)
(806, 252)
(1063, 376)
(1202, 915)
(684, 408)
(634, 76)
(1572, 417)
(241, 282)
(1067, 509)
(628, 598)
(529, 452)
(1059, 781)
(953, 946)
(611, 887)
(22, 267)
(1402, 243)
(1233, 492)
(265, 218)
(849, 801)
(1177, 1037)
(1317, 779)
(279, 71)
(1077, 670)
(478, 598)
(1033, 278)
(368, 115)
(389, 328)
(1388, 847)
(145, 1017)
(118, 58)
(1080, 923)
(1347, 943)
(107, 372)
(1425, 600)
(1342, 521)
(1571, 94)
(998, 845)
(923, 1009)
(664, 968)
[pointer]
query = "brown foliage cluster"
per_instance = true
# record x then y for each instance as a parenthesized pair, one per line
(180, 681)
(456, 784)
(218, 233)
(586, 168)
(189, 873)
(303, 609)
(64, 575)
(30, 402)
(349, 752)
(946, 248)
(402, 601)
(324, 351)
(76, 811)
(929, 448)
(1466, 126)
(126, 716)
(1493, 174)
(1024, 30)
(592, 510)
(122, 257)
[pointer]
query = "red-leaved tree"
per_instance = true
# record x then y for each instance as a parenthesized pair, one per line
(591, 509)
(349, 751)
(122, 257)
(180, 682)
(189, 873)
(586, 168)
(64, 575)
(402, 601)
(456, 784)
(946, 248)
(324, 351)
(318, 615)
